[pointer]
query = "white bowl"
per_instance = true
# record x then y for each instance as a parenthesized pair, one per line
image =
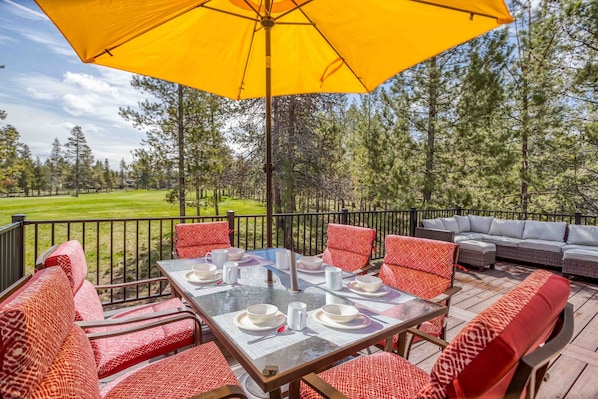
(204, 271)
(235, 254)
(369, 283)
(340, 313)
(261, 313)
(311, 262)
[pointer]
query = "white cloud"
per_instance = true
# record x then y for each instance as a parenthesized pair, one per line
(78, 105)
(24, 12)
(40, 95)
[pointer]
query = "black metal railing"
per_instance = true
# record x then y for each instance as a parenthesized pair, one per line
(119, 250)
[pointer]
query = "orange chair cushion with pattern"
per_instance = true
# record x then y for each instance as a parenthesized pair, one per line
(197, 239)
(117, 353)
(348, 247)
(381, 375)
(73, 372)
(431, 256)
(32, 331)
(71, 258)
(483, 357)
(171, 377)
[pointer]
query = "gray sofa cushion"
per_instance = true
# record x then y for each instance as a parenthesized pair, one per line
(507, 228)
(477, 246)
(480, 224)
(567, 247)
(549, 231)
(433, 224)
(589, 254)
(504, 241)
(582, 235)
(450, 224)
(469, 236)
(543, 245)
(463, 222)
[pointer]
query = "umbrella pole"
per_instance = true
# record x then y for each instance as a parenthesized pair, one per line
(267, 23)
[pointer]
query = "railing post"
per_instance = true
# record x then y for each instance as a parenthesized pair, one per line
(230, 216)
(412, 221)
(345, 216)
(20, 218)
(577, 217)
(459, 210)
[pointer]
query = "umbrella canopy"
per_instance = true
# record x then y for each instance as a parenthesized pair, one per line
(258, 48)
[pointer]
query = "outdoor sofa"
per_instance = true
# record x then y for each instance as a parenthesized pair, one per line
(572, 248)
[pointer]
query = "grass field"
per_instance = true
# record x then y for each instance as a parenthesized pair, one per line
(117, 204)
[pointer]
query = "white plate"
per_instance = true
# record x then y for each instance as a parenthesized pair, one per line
(242, 321)
(302, 268)
(360, 321)
(244, 258)
(193, 279)
(354, 287)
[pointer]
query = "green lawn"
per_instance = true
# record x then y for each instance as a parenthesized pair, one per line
(117, 204)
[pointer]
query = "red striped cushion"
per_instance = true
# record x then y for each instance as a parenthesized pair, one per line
(32, 331)
(381, 375)
(73, 372)
(185, 374)
(71, 258)
(196, 239)
(482, 358)
(431, 256)
(348, 247)
(115, 354)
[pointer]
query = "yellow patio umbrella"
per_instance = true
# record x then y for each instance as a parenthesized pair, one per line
(247, 49)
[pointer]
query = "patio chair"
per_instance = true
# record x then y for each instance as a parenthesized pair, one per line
(194, 240)
(148, 335)
(425, 268)
(502, 353)
(44, 354)
(349, 247)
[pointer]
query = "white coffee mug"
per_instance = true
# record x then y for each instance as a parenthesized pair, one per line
(230, 271)
(219, 256)
(334, 278)
(283, 259)
(297, 315)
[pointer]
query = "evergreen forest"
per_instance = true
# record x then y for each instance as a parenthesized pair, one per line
(506, 121)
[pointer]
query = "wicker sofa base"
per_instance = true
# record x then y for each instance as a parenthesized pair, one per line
(539, 257)
(580, 268)
(477, 259)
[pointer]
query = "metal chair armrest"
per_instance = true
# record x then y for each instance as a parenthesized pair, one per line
(445, 295)
(130, 283)
(225, 391)
(431, 338)
(159, 318)
(322, 387)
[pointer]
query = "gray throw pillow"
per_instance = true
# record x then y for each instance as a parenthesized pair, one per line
(463, 222)
(480, 224)
(433, 224)
(548, 231)
(582, 235)
(507, 228)
(450, 224)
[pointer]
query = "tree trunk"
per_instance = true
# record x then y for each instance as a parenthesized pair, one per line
(432, 99)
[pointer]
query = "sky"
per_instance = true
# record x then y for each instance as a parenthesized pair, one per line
(46, 89)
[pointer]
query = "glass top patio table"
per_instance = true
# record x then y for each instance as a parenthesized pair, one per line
(274, 359)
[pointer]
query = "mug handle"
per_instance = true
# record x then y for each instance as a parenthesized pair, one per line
(205, 257)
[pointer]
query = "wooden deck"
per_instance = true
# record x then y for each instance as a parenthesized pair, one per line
(571, 376)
